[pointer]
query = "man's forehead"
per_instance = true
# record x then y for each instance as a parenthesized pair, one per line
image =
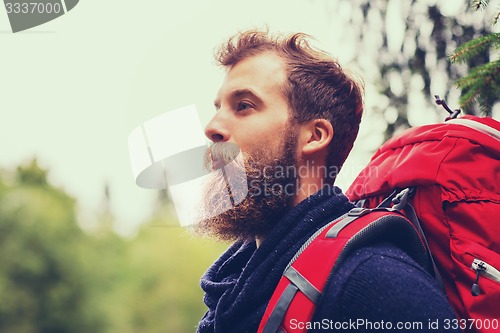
(261, 74)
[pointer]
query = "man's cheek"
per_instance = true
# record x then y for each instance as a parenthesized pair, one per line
(254, 188)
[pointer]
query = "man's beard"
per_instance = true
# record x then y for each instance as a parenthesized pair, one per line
(271, 183)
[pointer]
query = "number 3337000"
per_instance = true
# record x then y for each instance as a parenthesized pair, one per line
(32, 8)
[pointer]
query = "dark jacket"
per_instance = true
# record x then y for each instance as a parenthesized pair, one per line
(375, 283)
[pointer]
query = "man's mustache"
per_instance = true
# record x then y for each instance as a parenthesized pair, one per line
(220, 154)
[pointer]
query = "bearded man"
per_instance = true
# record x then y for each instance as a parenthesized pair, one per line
(286, 118)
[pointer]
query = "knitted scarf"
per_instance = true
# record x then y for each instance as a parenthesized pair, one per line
(240, 283)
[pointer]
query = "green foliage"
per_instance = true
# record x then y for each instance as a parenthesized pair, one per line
(479, 4)
(161, 290)
(403, 47)
(410, 65)
(31, 174)
(42, 286)
(473, 48)
(495, 18)
(481, 84)
(55, 278)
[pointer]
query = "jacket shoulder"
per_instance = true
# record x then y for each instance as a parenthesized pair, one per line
(381, 282)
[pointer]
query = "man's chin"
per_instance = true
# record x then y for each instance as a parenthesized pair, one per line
(255, 216)
(246, 221)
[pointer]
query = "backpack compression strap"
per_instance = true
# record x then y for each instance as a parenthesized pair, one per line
(302, 284)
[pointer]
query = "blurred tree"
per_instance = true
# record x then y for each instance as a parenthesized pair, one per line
(404, 47)
(31, 174)
(42, 284)
(161, 293)
(56, 278)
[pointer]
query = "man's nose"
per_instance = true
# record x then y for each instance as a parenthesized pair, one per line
(216, 130)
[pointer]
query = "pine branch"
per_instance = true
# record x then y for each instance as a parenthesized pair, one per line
(468, 98)
(467, 82)
(486, 101)
(482, 85)
(473, 47)
(488, 70)
(479, 4)
(481, 76)
(482, 82)
(495, 18)
(482, 4)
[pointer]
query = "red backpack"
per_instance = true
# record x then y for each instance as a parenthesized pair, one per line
(454, 168)
(450, 175)
(294, 300)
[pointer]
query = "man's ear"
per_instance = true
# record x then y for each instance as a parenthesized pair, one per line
(317, 134)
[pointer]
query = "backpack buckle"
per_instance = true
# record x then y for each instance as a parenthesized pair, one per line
(357, 212)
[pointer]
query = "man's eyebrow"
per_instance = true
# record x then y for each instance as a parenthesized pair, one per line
(240, 93)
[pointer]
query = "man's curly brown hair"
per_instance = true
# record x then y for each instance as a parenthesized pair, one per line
(317, 86)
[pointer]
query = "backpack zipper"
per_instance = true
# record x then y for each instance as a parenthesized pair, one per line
(482, 267)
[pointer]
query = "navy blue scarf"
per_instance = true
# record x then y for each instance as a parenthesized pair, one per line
(240, 283)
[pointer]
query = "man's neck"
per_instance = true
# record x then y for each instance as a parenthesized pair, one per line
(306, 188)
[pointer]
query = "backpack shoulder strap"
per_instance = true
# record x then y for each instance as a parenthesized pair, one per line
(303, 281)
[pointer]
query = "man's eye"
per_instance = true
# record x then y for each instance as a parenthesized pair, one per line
(242, 106)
